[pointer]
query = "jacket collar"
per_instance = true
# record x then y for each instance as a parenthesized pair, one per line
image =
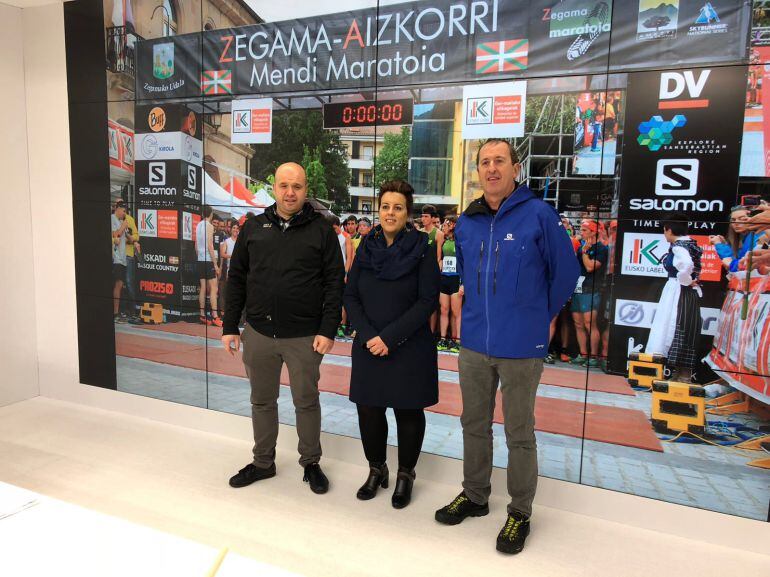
(520, 195)
(305, 215)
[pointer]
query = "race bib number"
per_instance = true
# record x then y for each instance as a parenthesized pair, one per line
(579, 286)
(449, 265)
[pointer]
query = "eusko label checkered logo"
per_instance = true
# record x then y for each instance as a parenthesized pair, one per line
(148, 222)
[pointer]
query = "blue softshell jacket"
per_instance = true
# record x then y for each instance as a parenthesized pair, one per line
(518, 268)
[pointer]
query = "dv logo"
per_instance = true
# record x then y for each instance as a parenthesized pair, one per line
(157, 175)
(674, 84)
(677, 177)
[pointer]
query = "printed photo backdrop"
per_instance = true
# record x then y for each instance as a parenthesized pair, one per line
(620, 112)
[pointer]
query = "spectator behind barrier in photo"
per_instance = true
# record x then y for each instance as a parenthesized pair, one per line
(363, 226)
(133, 251)
(350, 226)
(606, 291)
(220, 236)
(451, 297)
(346, 247)
(518, 268)
(760, 224)
(227, 253)
(286, 273)
(592, 258)
(392, 291)
(677, 323)
(740, 240)
(208, 268)
(120, 233)
(428, 217)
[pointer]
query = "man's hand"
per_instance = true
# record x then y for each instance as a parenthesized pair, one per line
(322, 345)
(217, 271)
(232, 343)
(137, 247)
(760, 259)
(461, 291)
(377, 347)
(759, 221)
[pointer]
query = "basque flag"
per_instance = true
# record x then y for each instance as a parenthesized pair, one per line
(502, 56)
(217, 82)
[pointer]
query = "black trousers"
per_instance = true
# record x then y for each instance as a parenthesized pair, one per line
(374, 434)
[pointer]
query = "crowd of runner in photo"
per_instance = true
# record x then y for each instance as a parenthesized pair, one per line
(579, 334)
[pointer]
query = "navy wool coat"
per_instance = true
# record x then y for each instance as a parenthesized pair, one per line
(391, 293)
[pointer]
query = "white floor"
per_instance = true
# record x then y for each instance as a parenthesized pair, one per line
(175, 480)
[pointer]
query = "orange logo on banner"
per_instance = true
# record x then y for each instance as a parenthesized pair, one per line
(157, 119)
(507, 110)
(260, 120)
(710, 263)
(190, 124)
(168, 224)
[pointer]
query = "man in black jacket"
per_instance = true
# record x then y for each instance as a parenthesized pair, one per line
(286, 272)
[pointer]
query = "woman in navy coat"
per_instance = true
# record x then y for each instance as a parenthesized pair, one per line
(391, 292)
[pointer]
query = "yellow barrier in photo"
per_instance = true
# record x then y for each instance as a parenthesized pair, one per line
(152, 313)
(643, 369)
(678, 407)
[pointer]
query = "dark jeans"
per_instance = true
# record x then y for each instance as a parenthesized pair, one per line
(374, 434)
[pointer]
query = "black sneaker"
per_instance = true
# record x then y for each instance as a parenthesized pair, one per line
(249, 474)
(460, 508)
(513, 534)
(319, 484)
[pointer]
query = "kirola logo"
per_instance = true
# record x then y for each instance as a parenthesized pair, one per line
(674, 84)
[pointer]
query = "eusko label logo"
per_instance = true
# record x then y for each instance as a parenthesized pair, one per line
(148, 223)
(479, 110)
(643, 254)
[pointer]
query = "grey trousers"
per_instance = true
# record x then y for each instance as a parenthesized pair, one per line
(518, 378)
(263, 358)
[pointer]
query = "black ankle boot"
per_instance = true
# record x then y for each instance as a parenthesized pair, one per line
(378, 477)
(402, 495)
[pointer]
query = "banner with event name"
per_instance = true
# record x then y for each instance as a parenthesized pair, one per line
(678, 33)
(741, 348)
(434, 42)
(681, 154)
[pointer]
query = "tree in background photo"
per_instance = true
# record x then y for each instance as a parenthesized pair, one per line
(295, 132)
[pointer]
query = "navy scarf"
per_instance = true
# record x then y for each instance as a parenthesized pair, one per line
(394, 261)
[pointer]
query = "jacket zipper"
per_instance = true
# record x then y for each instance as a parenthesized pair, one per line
(494, 277)
(486, 277)
(478, 270)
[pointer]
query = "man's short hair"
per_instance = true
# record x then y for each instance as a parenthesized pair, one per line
(429, 209)
(217, 217)
(514, 154)
(334, 220)
(677, 223)
(207, 210)
(351, 218)
(401, 187)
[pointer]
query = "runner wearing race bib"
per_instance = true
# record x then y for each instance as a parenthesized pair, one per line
(451, 299)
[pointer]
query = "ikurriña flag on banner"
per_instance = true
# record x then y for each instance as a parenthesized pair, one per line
(502, 56)
(217, 82)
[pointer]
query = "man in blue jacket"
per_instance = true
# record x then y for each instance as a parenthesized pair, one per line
(518, 269)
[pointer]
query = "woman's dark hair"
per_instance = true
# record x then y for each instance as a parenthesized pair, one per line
(401, 187)
(676, 222)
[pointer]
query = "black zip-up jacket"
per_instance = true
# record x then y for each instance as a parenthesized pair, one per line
(289, 277)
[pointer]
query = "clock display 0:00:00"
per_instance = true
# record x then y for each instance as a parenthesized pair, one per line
(371, 113)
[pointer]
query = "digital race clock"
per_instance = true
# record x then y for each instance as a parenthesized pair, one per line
(368, 113)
